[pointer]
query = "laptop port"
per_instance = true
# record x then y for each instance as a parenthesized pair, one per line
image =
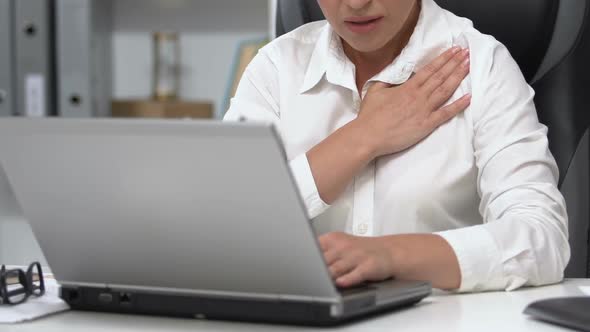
(200, 316)
(125, 298)
(72, 295)
(105, 298)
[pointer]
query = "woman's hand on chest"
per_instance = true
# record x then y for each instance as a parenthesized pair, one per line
(395, 118)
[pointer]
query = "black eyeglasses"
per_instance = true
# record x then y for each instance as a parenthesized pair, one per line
(16, 285)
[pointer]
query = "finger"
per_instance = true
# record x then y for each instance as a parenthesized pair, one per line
(445, 91)
(331, 256)
(438, 118)
(424, 74)
(350, 279)
(324, 242)
(341, 268)
(438, 79)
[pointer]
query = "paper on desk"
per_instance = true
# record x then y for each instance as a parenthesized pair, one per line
(35, 307)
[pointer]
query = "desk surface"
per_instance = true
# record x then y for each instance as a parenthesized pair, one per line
(496, 311)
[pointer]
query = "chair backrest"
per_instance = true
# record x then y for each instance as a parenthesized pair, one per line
(550, 40)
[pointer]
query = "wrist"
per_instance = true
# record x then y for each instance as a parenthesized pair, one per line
(425, 257)
(397, 254)
(362, 140)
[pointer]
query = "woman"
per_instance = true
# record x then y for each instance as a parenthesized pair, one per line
(415, 164)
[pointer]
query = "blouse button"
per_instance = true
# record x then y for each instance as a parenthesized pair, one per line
(362, 228)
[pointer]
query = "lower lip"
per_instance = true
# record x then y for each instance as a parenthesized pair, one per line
(363, 27)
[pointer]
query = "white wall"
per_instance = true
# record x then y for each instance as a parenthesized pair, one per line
(210, 32)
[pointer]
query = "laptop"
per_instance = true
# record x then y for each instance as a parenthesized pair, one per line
(181, 218)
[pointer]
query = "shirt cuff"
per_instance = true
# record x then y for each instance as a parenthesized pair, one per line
(307, 188)
(478, 256)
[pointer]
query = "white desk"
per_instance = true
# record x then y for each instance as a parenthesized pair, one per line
(497, 312)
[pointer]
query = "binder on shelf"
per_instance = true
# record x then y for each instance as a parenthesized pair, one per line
(7, 95)
(34, 57)
(83, 30)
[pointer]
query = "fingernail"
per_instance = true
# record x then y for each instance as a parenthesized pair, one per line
(466, 63)
(455, 49)
(468, 97)
(466, 52)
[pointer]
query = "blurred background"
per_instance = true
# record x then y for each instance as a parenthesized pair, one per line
(123, 58)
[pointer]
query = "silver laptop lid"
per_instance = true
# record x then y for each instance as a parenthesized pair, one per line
(166, 205)
(9, 207)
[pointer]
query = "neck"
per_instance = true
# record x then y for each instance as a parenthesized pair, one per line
(369, 64)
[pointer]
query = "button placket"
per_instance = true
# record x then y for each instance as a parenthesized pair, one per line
(356, 101)
(362, 228)
(364, 191)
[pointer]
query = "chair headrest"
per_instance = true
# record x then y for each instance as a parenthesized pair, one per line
(524, 26)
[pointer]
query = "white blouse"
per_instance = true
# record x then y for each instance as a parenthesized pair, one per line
(485, 181)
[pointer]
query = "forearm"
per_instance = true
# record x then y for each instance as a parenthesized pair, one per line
(426, 257)
(336, 160)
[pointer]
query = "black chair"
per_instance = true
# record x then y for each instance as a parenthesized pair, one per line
(550, 40)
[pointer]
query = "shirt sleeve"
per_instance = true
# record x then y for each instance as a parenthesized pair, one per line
(257, 100)
(524, 238)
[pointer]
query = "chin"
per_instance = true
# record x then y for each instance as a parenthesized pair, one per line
(366, 46)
